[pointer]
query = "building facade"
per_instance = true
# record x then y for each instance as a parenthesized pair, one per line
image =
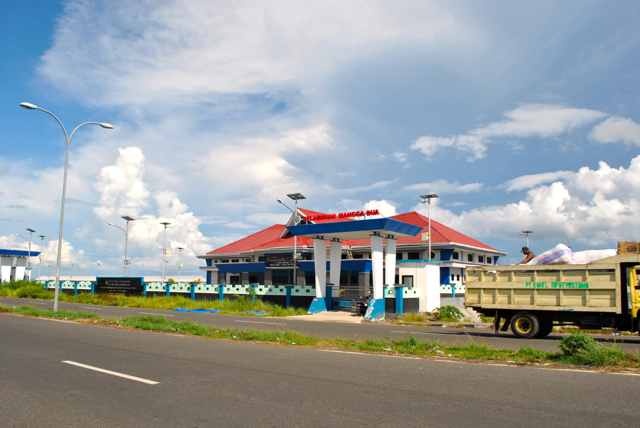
(266, 258)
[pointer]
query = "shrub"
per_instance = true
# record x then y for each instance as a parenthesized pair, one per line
(448, 313)
(574, 343)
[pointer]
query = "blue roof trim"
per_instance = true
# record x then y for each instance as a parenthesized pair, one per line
(14, 253)
(418, 261)
(360, 265)
(241, 267)
(384, 225)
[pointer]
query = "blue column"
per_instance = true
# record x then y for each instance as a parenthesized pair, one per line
(144, 289)
(399, 300)
(253, 295)
(75, 288)
(93, 284)
(329, 297)
(221, 292)
(289, 288)
(193, 291)
(167, 287)
(453, 290)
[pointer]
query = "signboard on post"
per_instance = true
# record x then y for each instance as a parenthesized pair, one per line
(119, 285)
(279, 260)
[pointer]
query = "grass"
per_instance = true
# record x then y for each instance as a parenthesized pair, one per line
(576, 349)
(238, 306)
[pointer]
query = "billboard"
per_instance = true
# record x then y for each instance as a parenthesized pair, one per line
(119, 285)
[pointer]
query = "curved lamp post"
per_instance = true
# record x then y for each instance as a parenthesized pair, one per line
(164, 246)
(68, 138)
(29, 256)
(126, 239)
(427, 199)
(296, 197)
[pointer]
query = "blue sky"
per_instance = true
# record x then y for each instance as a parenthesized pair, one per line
(520, 116)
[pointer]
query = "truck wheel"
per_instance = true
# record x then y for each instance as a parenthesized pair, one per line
(525, 325)
(546, 327)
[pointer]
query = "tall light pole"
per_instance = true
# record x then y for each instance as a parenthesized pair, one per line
(68, 138)
(49, 273)
(73, 265)
(42, 238)
(27, 268)
(126, 239)
(296, 197)
(427, 199)
(526, 233)
(164, 245)
(99, 264)
(179, 262)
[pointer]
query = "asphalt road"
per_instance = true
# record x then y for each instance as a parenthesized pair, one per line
(329, 330)
(204, 383)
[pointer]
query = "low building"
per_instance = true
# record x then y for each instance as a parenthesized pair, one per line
(266, 258)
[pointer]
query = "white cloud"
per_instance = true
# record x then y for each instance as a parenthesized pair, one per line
(528, 120)
(616, 129)
(590, 207)
(533, 180)
(385, 207)
(445, 187)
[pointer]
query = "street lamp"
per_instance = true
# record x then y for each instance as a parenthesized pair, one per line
(526, 233)
(427, 199)
(42, 238)
(296, 197)
(164, 245)
(28, 268)
(99, 264)
(126, 240)
(179, 262)
(68, 138)
(73, 265)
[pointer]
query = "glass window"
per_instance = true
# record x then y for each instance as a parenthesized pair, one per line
(455, 256)
(235, 260)
(469, 257)
(261, 258)
(414, 255)
(407, 280)
(398, 256)
(225, 261)
(480, 259)
(453, 277)
(247, 260)
(489, 260)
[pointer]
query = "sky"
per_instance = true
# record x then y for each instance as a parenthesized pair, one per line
(519, 115)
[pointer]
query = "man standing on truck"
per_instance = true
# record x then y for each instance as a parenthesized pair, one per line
(528, 255)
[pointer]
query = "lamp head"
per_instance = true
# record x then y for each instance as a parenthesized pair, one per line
(31, 230)
(28, 106)
(106, 125)
(15, 234)
(296, 196)
(427, 198)
(280, 201)
(128, 218)
(110, 224)
(41, 236)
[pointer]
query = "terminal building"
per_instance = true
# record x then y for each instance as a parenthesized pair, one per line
(266, 258)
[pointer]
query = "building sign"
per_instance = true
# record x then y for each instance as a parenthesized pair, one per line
(350, 214)
(279, 260)
(119, 285)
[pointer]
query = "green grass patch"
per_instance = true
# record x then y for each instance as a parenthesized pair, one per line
(239, 305)
(576, 349)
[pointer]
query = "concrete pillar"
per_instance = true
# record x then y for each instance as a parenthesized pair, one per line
(376, 309)
(390, 261)
(244, 278)
(376, 266)
(21, 263)
(336, 263)
(429, 296)
(364, 279)
(320, 264)
(5, 268)
(268, 278)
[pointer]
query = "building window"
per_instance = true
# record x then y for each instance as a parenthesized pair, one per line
(453, 277)
(457, 277)
(489, 260)
(480, 259)
(469, 257)
(253, 279)
(225, 261)
(358, 256)
(235, 260)
(414, 255)
(398, 256)
(261, 258)
(433, 255)
(407, 280)
(234, 279)
(247, 260)
(455, 255)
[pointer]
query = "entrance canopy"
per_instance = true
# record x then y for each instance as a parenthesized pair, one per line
(358, 229)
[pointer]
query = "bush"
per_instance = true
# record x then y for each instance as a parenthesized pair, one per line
(574, 343)
(448, 313)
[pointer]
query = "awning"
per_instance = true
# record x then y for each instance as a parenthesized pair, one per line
(360, 229)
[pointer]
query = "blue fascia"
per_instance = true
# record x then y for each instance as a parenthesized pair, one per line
(359, 265)
(18, 253)
(388, 225)
(495, 260)
(419, 261)
(241, 267)
(209, 262)
(445, 255)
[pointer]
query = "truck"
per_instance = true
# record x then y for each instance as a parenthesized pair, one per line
(532, 299)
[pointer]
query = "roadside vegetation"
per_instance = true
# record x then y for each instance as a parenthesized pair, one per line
(576, 349)
(239, 305)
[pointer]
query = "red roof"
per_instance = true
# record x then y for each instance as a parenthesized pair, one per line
(270, 238)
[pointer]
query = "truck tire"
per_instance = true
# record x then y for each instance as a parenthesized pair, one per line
(546, 327)
(525, 325)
